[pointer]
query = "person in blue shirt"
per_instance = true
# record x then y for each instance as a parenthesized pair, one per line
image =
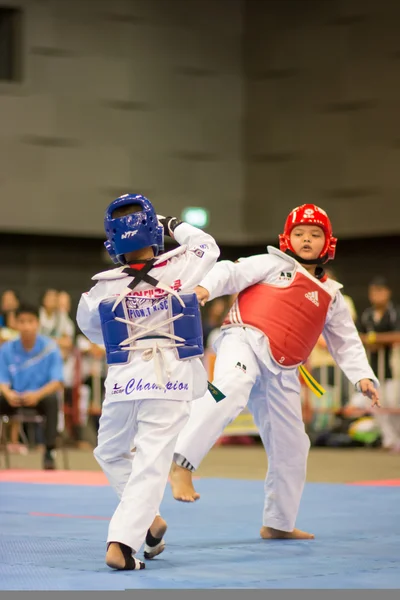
(31, 374)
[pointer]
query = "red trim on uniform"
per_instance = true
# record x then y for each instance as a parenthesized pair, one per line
(139, 266)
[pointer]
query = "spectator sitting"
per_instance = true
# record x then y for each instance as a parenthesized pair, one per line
(381, 317)
(379, 330)
(64, 309)
(31, 374)
(56, 323)
(64, 303)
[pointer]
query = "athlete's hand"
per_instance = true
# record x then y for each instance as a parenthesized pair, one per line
(202, 294)
(368, 389)
(169, 224)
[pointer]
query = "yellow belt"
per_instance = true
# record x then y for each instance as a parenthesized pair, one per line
(309, 380)
(312, 383)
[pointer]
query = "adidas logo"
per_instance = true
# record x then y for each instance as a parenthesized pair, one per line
(313, 296)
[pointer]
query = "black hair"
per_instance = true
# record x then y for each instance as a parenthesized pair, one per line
(27, 309)
(380, 281)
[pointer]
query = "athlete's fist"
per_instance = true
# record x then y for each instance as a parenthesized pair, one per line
(202, 294)
(169, 224)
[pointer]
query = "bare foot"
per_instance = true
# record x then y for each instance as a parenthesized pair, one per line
(268, 533)
(182, 485)
(114, 557)
(119, 557)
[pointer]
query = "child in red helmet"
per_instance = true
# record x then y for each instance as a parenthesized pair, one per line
(284, 303)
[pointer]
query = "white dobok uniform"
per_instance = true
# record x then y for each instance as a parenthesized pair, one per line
(153, 339)
(272, 327)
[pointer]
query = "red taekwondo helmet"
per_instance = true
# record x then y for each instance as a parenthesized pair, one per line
(309, 214)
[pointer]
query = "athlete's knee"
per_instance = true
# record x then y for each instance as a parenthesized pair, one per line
(304, 445)
(238, 404)
(103, 453)
(236, 394)
(295, 451)
(305, 441)
(301, 442)
(98, 454)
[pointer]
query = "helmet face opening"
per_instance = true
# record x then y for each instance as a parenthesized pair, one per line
(125, 210)
(131, 224)
(309, 214)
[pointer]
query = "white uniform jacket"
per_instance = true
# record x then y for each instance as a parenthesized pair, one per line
(148, 308)
(278, 270)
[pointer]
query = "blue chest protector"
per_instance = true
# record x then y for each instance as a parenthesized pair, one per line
(189, 327)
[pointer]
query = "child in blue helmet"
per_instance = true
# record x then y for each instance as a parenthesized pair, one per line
(147, 315)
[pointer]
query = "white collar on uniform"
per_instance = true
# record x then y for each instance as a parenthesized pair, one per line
(272, 250)
(170, 254)
(331, 285)
(118, 274)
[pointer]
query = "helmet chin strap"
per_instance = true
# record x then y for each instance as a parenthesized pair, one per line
(307, 261)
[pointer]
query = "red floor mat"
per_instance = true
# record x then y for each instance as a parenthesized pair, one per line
(96, 478)
(380, 483)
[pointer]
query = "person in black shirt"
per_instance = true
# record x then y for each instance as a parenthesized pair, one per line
(381, 317)
(379, 328)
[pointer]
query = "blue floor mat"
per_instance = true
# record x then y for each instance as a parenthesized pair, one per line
(213, 543)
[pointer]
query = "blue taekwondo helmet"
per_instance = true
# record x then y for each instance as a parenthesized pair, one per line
(134, 231)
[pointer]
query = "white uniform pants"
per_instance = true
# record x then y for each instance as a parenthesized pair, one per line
(151, 426)
(276, 408)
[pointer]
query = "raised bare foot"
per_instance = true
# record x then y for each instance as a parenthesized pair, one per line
(182, 485)
(268, 533)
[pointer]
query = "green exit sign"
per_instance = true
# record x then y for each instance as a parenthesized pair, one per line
(196, 216)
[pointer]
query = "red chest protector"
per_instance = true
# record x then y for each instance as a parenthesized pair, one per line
(292, 317)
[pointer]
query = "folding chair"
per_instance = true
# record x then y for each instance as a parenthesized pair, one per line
(30, 418)
(4, 420)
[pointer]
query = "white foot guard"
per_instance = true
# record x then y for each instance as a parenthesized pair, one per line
(153, 551)
(153, 546)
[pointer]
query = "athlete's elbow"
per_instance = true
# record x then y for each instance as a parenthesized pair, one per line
(213, 251)
(210, 258)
